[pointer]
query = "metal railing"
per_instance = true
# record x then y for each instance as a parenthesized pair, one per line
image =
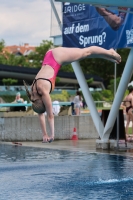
(29, 104)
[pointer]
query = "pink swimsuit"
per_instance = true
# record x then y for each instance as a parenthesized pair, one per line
(49, 60)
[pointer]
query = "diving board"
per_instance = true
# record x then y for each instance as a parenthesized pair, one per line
(121, 3)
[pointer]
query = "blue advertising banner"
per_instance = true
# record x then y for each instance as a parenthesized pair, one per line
(85, 25)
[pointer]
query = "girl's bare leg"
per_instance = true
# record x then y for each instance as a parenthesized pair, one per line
(77, 111)
(132, 128)
(130, 118)
(99, 52)
(127, 123)
(114, 57)
(51, 125)
(67, 55)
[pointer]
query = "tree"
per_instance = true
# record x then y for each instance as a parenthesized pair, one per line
(67, 68)
(111, 84)
(3, 55)
(38, 55)
(2, 45)
(11, 59)
(89, 81)
(57, 79)
(9, 81)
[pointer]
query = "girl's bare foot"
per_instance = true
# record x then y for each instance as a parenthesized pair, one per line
(114, 57)
(45, 139)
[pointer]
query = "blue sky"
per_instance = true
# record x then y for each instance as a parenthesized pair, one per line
(24, 21)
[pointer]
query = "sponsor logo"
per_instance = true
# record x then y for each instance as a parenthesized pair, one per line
(69, 8)
(129, 35)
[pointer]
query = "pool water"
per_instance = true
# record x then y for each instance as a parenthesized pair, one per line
(28, 173)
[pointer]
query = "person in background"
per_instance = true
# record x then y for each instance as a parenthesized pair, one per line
(18, 99)
(73, 110)
(84, 104)
(127, 106)
(78, 103)
(56, 107)
(114, 18)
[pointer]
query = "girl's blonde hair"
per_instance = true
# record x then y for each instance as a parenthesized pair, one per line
(37, 105)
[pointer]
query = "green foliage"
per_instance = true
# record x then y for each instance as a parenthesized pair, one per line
(107, 95)
(2, 45)
(89, 81)
(17, 60)
(67, 68)
(64, 96)
(104, 95)
(2, 57)
(38, 55)
(11, 98)
(65, 93)
(99, 67)
(9, 81)
(57, 80)
(3, 60)
(11, 59)
(97, 96)
(111, 84)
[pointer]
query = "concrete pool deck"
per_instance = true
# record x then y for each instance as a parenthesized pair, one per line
(88, 145)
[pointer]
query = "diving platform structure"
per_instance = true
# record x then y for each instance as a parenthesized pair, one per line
(103, 3)
(104, 132)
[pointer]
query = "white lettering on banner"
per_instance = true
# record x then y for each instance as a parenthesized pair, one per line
(69, 30)
(97, 39)
(82, 28)
(78, 29)
(75, 8)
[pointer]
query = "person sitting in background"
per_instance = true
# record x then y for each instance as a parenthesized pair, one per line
(56, 107)
(18, 99)
(77, 102)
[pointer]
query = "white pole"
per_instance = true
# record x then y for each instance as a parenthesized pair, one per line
(127, 73)
(115, 67)
(88, 98)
